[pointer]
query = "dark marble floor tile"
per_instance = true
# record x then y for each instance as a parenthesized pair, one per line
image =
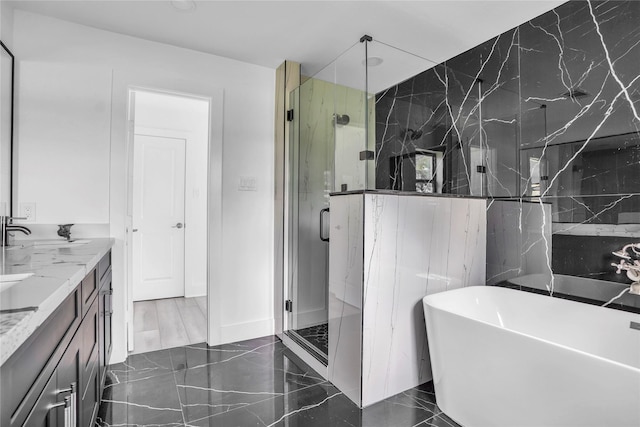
(140, 366)
(199, 355)
(317, 406)
(211, 389)
(405, 409)
(251, 383)
(440, 420)
(142, 401)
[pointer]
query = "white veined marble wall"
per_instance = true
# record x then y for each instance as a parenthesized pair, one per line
(409, 246)
(346, 242)
(414, 246)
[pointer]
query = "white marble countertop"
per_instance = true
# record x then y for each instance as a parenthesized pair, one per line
(57, 270)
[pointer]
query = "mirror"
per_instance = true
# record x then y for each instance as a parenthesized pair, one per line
(6, 128)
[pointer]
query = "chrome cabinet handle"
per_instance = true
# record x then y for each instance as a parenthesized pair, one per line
(70, 416)
(178, 225)
(65, 403)
(322, 211)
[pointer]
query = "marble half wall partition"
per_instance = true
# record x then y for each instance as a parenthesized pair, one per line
(402, 247)
(346, 273)
(519, 240)
(413, 246)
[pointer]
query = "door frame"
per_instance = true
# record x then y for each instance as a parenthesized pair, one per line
(213, 202)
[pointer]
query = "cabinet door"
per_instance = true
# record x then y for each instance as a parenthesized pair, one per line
(108, 313)
(69, 376)
(101, 331)
(89, 364)
(105, 309)
(43, 414)
(90, 401)
(49, 410)
(28, 371)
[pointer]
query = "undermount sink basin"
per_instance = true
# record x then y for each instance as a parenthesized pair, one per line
(8, 280)
(58, 244)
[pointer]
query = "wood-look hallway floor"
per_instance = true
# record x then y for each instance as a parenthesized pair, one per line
(166, 323)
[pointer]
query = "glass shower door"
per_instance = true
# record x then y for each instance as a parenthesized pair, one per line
(310, 183)
(327, 151)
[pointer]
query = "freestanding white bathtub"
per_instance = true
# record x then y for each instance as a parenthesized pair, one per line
(502, 357)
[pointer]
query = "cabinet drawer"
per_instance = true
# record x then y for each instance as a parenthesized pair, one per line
(89, 290)
(42, 414)
(103, 266)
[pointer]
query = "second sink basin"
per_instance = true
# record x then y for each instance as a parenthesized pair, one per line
(58, 244)
(8, 280)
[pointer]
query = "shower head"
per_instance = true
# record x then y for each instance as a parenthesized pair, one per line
(413, 134)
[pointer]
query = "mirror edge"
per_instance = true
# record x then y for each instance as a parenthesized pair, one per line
(11, 125)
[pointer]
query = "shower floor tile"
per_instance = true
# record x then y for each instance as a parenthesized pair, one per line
(318, 336)
(250, 383)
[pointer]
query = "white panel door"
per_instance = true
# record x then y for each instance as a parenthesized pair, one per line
(158, 217)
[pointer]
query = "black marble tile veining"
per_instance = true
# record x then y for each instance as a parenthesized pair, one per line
(588, 256)
(257, 382)
(549, 111)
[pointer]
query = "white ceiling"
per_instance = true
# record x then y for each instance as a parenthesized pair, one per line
(312, 33)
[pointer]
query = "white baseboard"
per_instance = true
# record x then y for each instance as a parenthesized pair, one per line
(245, 331)
(188, 293)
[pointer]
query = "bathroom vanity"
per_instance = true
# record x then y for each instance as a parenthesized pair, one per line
(55, 332)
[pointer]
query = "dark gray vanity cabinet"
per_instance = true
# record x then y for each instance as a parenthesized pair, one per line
(64, 359)
(31, 369)
(57, 405)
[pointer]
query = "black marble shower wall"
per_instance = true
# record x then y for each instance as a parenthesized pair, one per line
(549, 109)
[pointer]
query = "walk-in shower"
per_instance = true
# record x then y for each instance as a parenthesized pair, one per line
(331, 148)
(378, 118)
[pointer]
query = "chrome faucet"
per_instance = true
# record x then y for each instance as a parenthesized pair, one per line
(630, 265)
(6, 225)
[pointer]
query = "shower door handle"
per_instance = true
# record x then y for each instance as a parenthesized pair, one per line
(322, 211)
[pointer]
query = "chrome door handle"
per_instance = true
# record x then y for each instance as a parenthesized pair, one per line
(178, 225)
(322, 211)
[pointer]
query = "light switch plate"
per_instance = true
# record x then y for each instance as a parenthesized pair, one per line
(247, 183)
(28, 211)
